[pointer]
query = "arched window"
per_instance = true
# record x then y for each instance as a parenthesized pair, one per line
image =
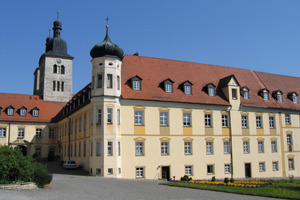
(55, 69)
(62, 69)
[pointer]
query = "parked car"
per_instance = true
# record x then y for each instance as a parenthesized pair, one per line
(70, 164)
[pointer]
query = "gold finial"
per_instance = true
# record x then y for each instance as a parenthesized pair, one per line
(49, 32)
(57, 14)
(107, 26)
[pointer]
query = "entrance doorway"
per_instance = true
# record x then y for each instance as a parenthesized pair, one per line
(23, 149)
(165, 172)
(248, 170)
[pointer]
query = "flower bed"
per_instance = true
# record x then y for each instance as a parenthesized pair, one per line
(240, 183)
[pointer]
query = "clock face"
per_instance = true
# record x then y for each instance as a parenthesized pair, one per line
(58, 60)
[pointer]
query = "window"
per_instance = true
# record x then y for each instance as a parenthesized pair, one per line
(119, 170)
(118, 116)
(10, 111)
(75, 149)
(80, 124)
(291, 164)
(38, 152)
(246, 94)
(287, 119)
(188, 148)
(119, 148)
(279, 97)
(62, 86)
(246, 147)
(289, 139)
(272, 122)
(261, 148)
(244, 121)
(99, 116)
(84, 149)
(139, 171)
(2, 132)
(266, 95)
(35, 112)
(234, 94)
(210, 169)
(227, 169)
(55, 69)
(79, 152)
(21, 132)
(262, 167)
(118, 82)
(98, 171)
(98, 148)
(110, 149)
(258, 122)
(211, 91)
(225, 121)
(109, 116)
(275, 166)
(164, 118)
(109, 82)
(186, 119)
(58, 85)
(99, 81)
(164, 148)
(168, 87)
(226, 147)
(110, 171)
(295, 99)
(23, 112)
(38, 133)
(188, 170)
(54, 85)
(136, 85)
(139, 148)
(139, 117)
(187, 89)
(274, 146)
(209, 148)
(208, 121)
(62, 69)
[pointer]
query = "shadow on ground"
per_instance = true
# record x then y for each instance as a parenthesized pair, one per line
(55, 167)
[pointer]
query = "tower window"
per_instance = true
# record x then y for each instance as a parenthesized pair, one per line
(62, 86)
(54, 85)
(62, 69)
(118, 82)
(99, 81)
(109, 81)
(55, 69)
(234, 94)
(58, 85)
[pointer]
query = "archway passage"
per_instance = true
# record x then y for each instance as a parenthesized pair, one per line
(23, 149)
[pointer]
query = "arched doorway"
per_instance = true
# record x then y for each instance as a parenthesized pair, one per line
(23, 149)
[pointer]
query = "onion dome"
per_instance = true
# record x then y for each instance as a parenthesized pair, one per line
(106, 48)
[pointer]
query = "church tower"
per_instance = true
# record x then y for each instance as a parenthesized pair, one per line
(106, 92)
(53, 77)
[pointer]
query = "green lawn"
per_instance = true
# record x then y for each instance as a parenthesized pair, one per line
(279, 188)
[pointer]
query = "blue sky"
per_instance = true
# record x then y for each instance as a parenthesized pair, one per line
(262, 35)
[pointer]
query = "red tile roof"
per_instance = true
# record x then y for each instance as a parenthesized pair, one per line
(47, 109)
(153, 71)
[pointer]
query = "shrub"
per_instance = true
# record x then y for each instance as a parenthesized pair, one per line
(213, 179)
(231, 180)
(226, 180)
(41, 176)
(186, 178)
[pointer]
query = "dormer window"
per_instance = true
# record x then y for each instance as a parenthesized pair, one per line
(210, 89)
(35, 112)
(264, 94)
(278, 95)
(23, 111)
(293, 96)
(187, 87)
(245, 92)
(136, 83)
(168, 86)
(10, 111)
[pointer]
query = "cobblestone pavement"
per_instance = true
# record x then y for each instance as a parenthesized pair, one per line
(72, 187)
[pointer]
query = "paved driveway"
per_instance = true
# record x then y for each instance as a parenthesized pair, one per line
(72, 187)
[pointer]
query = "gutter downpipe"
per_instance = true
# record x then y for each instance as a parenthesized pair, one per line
(69, 134)
(230, 141)
(8, 133)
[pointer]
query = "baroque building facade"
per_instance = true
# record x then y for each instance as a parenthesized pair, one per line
(151, 118)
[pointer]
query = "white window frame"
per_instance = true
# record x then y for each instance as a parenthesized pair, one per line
(99, 116)
(136, 85)
(138, 117)
(227, 168)
(244, 121)
(246, 94)
(186, 119)
(246, 147)
(275, 166)
(164, 118)
(23, 112)
(225, 121)
(291, 164)
(110, 151)
(272, 122)
(35, 112)
(21, 132)
(187, 89)
(261, 148)
(274, 146)
(266, 95)
(211, 91)
(295, 99)
(289, 139)
(98, 148)
(189, 170)
(109, 115)
(259, 122)
(109, 81)
(164, 148)
(226, 147)
(188, 148)
(139, 148)
(287, 119)
(139, 172)
(38, 132)
(209, 148)
(169, 87)
(10, 112)
(208, 120)
(261, 166)
(2, 132)
(210, 169)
